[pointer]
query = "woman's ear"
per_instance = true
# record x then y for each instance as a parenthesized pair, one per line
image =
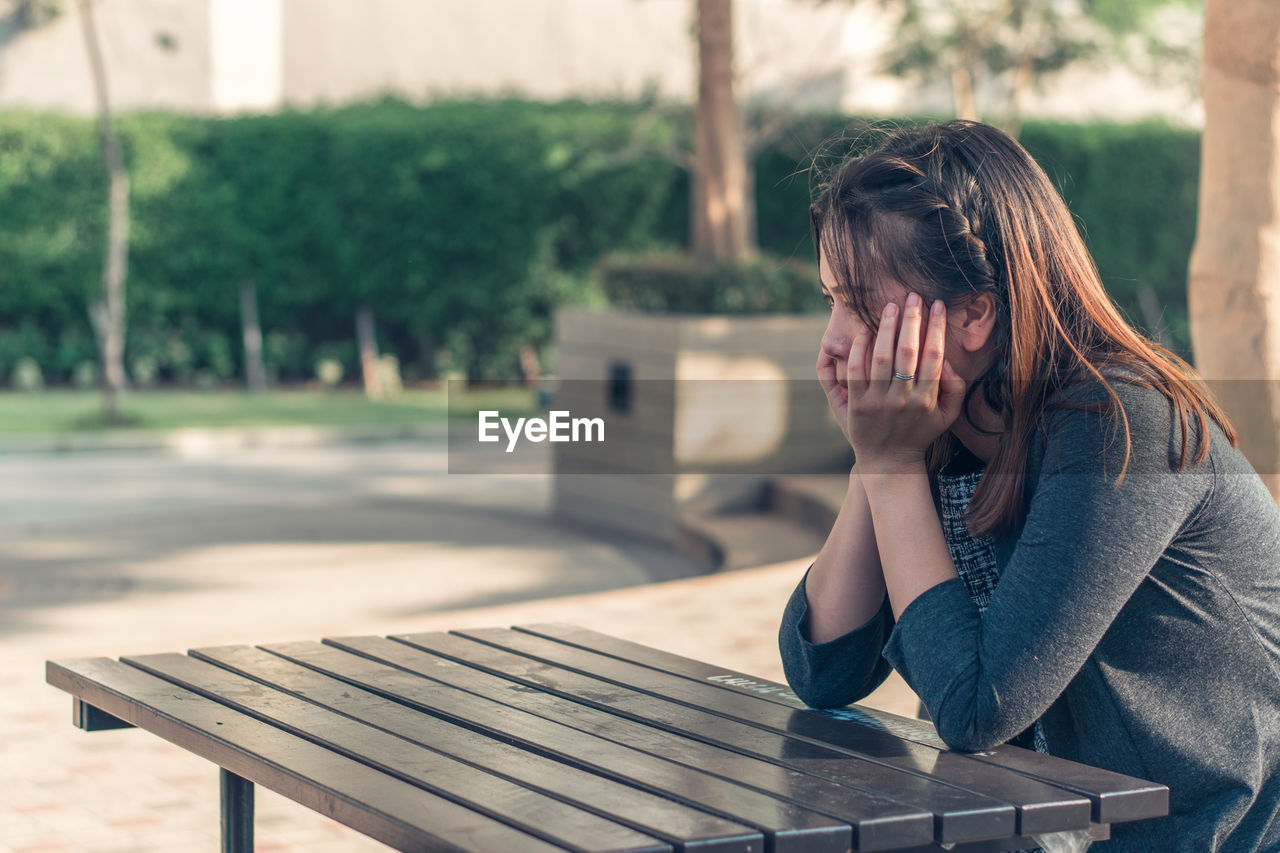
(976, 322)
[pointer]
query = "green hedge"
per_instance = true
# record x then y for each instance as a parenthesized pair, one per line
(680, 283)
(1133, 190)
(462, 224)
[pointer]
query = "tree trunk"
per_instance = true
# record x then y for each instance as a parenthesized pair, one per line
(962, 90)
(721, 214)
(368, 353)
(108, 311)
(530, 366)
(1234, 287)
(254, 373)
(962, 81)
(1023, 78)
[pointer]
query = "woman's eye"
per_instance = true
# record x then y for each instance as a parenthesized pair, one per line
(831, 303)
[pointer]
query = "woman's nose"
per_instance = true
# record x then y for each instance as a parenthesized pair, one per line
(834, 344)
(837, 338)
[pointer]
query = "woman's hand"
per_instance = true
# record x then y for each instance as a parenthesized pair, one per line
(833, 378)
(891, 421)
(837, 394)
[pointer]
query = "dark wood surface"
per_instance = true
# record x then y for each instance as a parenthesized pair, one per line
(549, 737)
(1113, 797)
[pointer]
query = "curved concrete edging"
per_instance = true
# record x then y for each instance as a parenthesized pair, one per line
(208, 441)
(793, 523)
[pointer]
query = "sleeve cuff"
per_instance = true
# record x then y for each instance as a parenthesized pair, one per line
(839, 671)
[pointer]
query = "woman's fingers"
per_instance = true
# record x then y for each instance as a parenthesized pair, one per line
(837, 395)
(827, 372)
(856, 369)
(935, 344)
(951, 391)
(886, 414)
(882, 355)
(904, 362)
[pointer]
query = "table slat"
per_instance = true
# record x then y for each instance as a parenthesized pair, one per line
(1041, 807)
(878, 823)
(387, 809)
(960, 815)
(673, 822)
(528, 810)
(1115, 796)
(787, 826)
(551, 737)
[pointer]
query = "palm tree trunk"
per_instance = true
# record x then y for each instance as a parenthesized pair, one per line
(721, 215)
(962, 81)
(368, 343)
(108, 310)
(1234, 286)
(1023, 77)
(255, 373)
(962, 90)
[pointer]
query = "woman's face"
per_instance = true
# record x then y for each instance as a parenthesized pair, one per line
(968, 347)
(844, 324)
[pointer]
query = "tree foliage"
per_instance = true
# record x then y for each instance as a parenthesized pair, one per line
(1010, 46)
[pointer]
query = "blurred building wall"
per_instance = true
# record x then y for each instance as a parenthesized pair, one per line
(246, 44)
(251, 55)
(157, 54)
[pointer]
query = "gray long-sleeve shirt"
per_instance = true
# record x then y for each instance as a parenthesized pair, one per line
(1140, 623)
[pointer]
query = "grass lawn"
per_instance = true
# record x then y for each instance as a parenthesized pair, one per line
(62, 411)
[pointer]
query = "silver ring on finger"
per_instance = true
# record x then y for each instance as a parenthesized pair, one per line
(905, 377)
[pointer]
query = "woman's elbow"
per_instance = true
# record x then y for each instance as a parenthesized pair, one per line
(814, 692)
(829, 690)
(970, 731)
(966, 738)
(822, 696)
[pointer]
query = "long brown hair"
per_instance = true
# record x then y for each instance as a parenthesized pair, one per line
(957, 209)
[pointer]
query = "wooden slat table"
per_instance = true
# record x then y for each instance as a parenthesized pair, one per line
(549, 737)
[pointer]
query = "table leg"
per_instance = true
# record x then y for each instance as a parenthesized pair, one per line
(92, 719)
(237, 813)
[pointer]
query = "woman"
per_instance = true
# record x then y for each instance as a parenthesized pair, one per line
(1009, 426)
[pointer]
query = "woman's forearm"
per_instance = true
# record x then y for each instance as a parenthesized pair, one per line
(912, 547)
(845, 586)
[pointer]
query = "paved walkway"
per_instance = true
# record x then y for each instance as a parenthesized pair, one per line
(111, 554)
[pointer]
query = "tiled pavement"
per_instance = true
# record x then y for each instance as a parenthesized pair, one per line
(110, 792)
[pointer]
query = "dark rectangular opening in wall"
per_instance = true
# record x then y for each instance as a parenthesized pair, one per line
(619, 387)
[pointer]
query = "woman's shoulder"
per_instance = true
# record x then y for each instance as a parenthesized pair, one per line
(1132, 387)
(1095, 417)
(1145, 396)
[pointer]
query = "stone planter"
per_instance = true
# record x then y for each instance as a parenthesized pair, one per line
(700, 412)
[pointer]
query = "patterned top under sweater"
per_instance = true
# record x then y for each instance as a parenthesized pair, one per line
(974, 556)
